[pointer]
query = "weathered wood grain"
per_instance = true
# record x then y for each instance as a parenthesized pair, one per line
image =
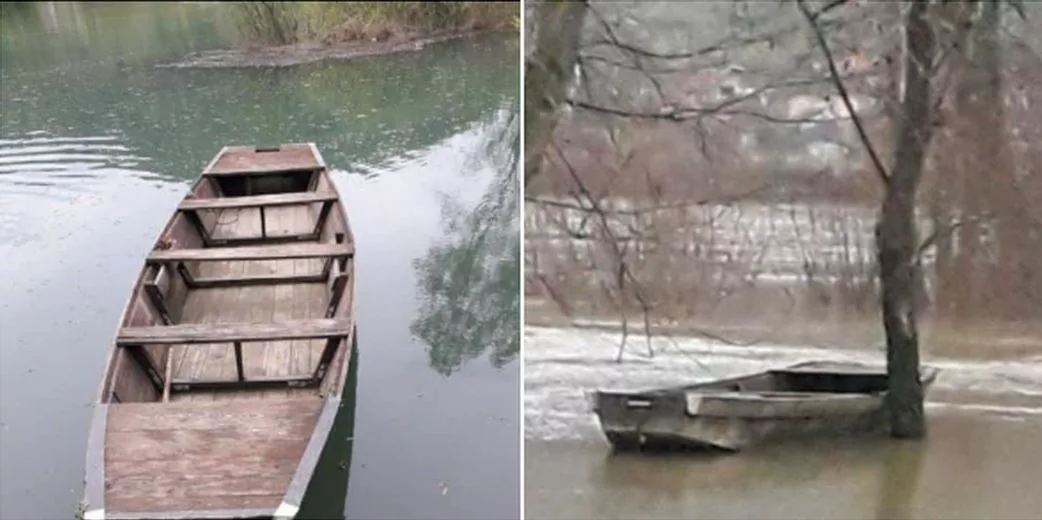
(263, 279)
(190, 333)
(305, 470)
(205, 455)
(275, 252)
(238, 160)
(280, 199)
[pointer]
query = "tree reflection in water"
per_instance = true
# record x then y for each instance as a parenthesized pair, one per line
(471, 279)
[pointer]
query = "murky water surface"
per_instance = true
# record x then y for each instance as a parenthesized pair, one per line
(96, 149)
(982, 459)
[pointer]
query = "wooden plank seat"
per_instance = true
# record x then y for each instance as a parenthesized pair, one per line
(278, 169)
(193, 333)
(261, 279)
(279, 199)
(270, 252)
(135, 338)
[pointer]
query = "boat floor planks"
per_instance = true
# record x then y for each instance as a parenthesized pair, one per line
(260, 249)
(281, 221)
(216, 455)
(265, 303)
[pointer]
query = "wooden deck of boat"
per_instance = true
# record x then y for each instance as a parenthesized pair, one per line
(163, 457)
(228, 366)
(257, 303)
(238, 160)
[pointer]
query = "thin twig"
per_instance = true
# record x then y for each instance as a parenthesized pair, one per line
(720, 200)
(624, 272)
(841, 87)
(685, 114)
(943, 232)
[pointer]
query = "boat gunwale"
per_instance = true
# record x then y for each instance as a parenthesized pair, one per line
(927, 375)
(196, 514)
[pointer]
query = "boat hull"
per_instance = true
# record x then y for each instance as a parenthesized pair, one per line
(735, 414)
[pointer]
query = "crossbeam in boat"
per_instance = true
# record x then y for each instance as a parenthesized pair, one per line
(134, 338)
(270, 252)
(254, 201)
(269, 170)
(195, 333)
(188, 385)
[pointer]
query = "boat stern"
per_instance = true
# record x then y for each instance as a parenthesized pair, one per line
(637, 420)
(204, 459)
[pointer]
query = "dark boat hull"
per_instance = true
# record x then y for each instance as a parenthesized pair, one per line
(808, 399)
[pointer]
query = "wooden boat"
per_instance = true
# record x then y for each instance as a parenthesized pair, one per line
(808, 398)
(231, 356)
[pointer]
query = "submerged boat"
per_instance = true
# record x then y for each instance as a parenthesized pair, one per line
(810, 398)
(231, 356)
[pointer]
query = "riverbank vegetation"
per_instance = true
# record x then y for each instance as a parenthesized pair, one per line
(281, 23)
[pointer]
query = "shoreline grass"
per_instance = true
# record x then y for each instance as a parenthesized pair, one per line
(283, 23)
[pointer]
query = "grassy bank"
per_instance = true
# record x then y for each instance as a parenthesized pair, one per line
(280, 23)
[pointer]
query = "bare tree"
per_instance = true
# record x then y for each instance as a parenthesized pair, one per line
(662, 192)
(554, 32)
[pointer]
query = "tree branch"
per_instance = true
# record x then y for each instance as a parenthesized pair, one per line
(722, 200)
(841, 87)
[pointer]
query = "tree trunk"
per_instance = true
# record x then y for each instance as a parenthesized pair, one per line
(896, 236)
(555, 31)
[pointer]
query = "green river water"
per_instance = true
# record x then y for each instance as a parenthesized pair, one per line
(97, 146)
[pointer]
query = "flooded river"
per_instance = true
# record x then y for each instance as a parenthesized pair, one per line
(982, 459)
(97, 146)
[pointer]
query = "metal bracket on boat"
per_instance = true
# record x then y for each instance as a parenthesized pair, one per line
(694, 402)
(638, 403)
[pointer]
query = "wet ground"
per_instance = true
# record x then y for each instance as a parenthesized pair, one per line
(982, 459)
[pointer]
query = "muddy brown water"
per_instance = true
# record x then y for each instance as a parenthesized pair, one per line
(982, 457)
(972, 466)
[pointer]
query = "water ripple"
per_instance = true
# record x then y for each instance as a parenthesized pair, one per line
(44, 178)
(65, 162)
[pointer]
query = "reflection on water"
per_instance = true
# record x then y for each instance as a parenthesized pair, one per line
(78, 36)
(971, 467)
(97, 147)
(902, 470)
(470, 280)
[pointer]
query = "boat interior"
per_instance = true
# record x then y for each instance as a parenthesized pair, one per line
(814, 377)
(247, 292)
